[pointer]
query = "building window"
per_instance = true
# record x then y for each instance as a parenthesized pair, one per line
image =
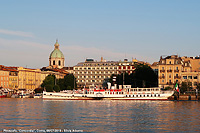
(170, 76)
(54, 62)
(184, 77)
(162, 80)
(189, 77)
(195, 77)
(170, 62)
(59, 63)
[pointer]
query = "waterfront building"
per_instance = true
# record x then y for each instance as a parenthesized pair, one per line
(95, 72)
(59, 73)
(174, 69)
(4, 78)
(29, 79)
(56, 58)
(13, 78)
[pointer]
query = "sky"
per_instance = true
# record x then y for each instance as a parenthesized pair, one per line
(113, 29)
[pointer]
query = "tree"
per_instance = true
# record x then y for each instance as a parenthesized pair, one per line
(56, 88)
(168, 88)
(49, 88)
(144, 76)
(69, 80)
(184, 87)
(49, 80)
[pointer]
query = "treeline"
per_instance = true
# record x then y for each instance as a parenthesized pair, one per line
(143, 76)
(51, 84)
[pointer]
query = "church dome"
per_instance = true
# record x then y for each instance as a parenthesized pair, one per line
(56, 53)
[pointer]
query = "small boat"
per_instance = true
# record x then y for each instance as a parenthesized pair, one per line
(37, 96)
(2, 95)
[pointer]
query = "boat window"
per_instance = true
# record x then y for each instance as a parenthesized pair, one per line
(151, 95)
(139, 89)
(129, 95)
(155, 95)
(105, 92)
(50, 94)
(144, 95)
(148, 89)
(133, 95)
(140, 95)
(145, 90)
(147, 95)
(126, 96)
(44, 94)
(135, 89)
(122, 92)
(159, 95)
(131, 89)
(136, 95)
(157, 89)
(108, 93)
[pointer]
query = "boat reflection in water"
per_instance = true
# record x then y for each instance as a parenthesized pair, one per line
(101, 115)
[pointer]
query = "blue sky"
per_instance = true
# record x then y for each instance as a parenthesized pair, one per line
(114, 29)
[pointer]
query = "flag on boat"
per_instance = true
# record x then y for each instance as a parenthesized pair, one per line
(176, 87)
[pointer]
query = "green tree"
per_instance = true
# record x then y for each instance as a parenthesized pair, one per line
(49, 80)
(168, 88)
(144, 76)
(60, 83)
(69, 80)
(184, 87)
(56, 88)
(49, 88)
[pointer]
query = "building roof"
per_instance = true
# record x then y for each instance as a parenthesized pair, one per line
(56, 53)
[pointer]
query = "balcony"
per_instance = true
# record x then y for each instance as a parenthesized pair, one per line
(169, 70)
(169, 83)
(177, 77)
(161, 77)
(162, 70)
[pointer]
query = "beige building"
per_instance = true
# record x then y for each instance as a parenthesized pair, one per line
(95, 72)
(4, 78)
(172, 69)
(29, 79)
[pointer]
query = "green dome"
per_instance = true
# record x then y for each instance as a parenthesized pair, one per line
(56, 53)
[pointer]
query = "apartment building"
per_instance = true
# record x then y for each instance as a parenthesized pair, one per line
(95, 72)
(174, 69)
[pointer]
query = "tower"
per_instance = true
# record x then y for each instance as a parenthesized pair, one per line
(56, 58)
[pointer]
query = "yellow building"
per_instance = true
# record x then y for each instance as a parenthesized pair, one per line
(45, 73)
(29, 79)
(173, 69)
(4, 78)
(13, 79)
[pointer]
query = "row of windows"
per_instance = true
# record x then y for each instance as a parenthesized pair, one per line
(101, 64)
(93, 76)
(5, 84)
(104, 72)
(94, 68)
(4, 78)
(88, 81)
(189, 77)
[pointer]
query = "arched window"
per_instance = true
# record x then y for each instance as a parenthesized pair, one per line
(59, 63)
(54, 63)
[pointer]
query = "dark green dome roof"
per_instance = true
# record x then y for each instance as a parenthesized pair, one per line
(56, 53)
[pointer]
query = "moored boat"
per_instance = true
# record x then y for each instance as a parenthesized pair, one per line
(2, 95)
(127, 93)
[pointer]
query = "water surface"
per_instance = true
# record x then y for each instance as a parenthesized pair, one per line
(100, 116)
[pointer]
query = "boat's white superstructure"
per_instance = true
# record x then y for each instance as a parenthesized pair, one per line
(127, 93)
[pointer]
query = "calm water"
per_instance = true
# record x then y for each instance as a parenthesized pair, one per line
(100, 116)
